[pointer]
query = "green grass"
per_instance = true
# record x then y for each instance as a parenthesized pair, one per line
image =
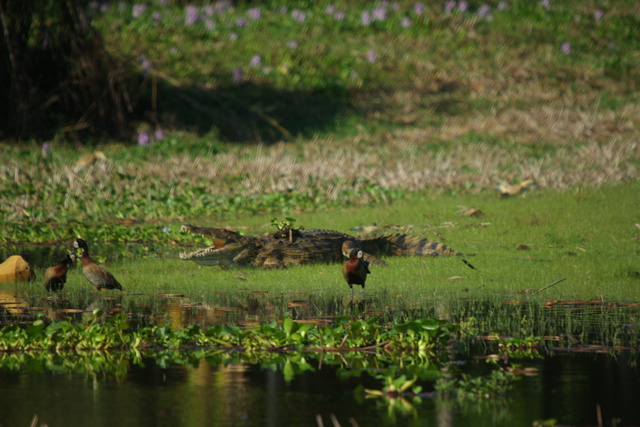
(587, 237)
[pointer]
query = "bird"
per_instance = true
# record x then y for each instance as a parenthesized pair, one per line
(96, 274)
(55, 277)
(355, 270)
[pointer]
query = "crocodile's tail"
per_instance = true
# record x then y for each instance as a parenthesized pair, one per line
(403, 244)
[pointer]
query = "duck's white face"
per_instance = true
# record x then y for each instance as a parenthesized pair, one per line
(360, 254)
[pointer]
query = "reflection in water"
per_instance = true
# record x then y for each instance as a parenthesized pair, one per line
(207, 393)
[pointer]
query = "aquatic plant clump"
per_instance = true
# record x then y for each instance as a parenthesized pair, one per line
(97, 333)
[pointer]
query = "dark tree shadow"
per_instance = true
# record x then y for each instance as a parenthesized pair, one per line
(246, 112)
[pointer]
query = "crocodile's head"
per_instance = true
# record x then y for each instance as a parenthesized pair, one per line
(225, 250)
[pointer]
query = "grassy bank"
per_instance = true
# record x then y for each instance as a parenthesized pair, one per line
(586, 236)
(348, 104)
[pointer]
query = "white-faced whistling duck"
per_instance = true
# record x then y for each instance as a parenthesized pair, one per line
(96, 274)
(355, 270)
(55, 277)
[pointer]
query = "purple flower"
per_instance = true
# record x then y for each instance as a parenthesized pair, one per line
(208, 10)
(241, 22)
(292, 44)
(329, 10)
(156, 16)
(365, 18)
(546, 4)
(146, 64)
(379, 14)
(565, 48)
(449, 6)
(143, 139)
(165, 229)
(598, 14)
(339, 15)
(371, 56)
(223, 5)
(45, 40)
(418, 8)
(237, 75)
(46, 149)
(190, 15)
(209, 25)
(298, 15)
(503, 5)
(256, 60)
(405, 22)
(254, 13)
(137, 10)
(158, 134)
(463, 6)
(484, 11)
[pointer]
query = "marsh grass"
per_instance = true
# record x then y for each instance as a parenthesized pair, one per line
(521, 245)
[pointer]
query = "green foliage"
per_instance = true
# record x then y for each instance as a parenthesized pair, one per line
(491, 386)
(519, 348)
(287, 224)
(96, 333)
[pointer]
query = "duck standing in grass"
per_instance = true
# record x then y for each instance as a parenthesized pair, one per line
(55, 277)
(96, 274)
(355, 270)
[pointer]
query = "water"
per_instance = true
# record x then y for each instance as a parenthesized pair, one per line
(569, 388)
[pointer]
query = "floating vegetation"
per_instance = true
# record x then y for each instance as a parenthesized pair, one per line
(419, 336)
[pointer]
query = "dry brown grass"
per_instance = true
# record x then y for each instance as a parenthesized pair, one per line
(558, 147)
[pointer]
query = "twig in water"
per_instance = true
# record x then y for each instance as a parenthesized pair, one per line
(344, 339)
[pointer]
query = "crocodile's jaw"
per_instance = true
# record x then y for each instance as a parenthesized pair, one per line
(224, 256)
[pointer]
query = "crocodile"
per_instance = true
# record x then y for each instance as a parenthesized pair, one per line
(295, 247)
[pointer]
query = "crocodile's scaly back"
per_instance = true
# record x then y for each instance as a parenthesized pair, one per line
(296, 247)
(405, 245)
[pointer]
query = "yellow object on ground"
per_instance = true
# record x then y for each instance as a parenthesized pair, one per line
(16, 269)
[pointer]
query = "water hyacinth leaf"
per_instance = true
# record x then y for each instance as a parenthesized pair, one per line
(163, 331)
(288, 371)
(35, 328)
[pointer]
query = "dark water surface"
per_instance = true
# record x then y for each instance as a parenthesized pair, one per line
(568, 388)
